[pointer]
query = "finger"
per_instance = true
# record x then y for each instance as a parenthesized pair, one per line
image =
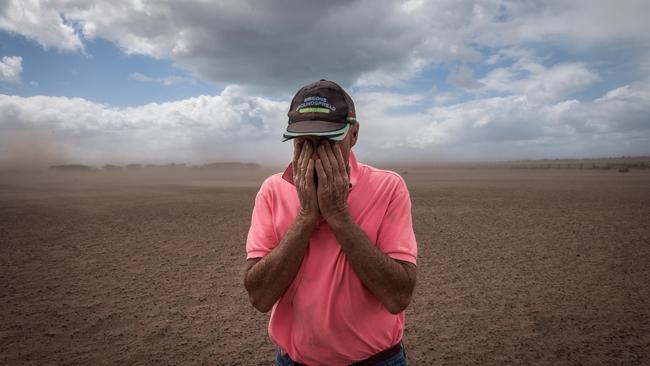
(305, 158)
(320, 170)
(301, 153)
(343, 167)
(297, 149)
(310, 173)
(336, 169)
(327, 166)
(297, 159)
(297, 166)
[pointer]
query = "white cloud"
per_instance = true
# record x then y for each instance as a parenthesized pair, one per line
(383, 122)
(237, 126)
(499, 118)
(261, 44)
(265, 44)
(523, 95)
(626, 93)
(226, 126)
(41, 21)
(11, 68)
(539, 82)
(167, 80)
(582, 22)
(507, 127)
(516, 126)
(392, 75)
(463, 77)
(378, 42)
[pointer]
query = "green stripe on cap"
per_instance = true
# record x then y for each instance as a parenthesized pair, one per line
(314, 110)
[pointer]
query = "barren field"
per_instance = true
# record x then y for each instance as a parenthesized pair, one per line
(521, 266)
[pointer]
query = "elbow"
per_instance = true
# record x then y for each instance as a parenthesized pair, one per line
(256, 299)
(260, 305)
(401, 298)
(397, 305)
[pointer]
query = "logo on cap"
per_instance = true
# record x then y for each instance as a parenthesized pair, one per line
(315, 104)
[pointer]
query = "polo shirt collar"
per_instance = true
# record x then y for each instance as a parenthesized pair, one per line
(354, 170)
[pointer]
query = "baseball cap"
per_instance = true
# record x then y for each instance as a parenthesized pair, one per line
(320, 109)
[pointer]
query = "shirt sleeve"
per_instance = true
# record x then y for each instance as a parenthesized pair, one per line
(396, 237)
(261, 235)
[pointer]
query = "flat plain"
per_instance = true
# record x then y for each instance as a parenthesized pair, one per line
(515, 266)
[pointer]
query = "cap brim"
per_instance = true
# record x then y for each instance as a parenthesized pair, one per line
(336, 135)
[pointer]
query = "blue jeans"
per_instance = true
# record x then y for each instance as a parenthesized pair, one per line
(398, 359)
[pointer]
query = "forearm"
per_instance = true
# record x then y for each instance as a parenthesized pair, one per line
(386, 278)
(270, 277)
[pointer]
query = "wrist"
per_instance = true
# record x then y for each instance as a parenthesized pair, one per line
(307, 220)
(339, 219)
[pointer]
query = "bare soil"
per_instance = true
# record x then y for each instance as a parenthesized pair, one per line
(543, 267)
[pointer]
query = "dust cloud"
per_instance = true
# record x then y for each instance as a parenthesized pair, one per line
(30, 151)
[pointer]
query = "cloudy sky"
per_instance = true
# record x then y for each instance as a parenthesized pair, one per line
(200, 81)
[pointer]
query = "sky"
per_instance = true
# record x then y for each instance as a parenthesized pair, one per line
(194, 81)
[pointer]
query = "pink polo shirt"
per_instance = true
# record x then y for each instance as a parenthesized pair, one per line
(327, 316)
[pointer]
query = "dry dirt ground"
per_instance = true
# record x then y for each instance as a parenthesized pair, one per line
(537, 267)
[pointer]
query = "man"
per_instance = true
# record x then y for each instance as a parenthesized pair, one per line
(331, 247)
